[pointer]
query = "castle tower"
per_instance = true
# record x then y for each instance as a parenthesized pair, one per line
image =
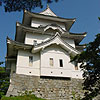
(43, 45)
(39, 57)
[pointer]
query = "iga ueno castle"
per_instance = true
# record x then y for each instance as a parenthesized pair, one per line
(43, 45)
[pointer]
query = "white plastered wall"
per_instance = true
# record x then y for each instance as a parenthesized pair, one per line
(23, 67)
(56, 52)
(30, 37)
(37, 22)
(43, 68)
(13, 67)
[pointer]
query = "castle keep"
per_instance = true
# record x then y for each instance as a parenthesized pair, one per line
(39, 57)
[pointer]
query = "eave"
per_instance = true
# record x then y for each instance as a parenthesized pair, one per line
(78, 37)
(28, 17)
(19, 36)
(11, 58)
(80, 47)
(22, 29)
(14, 46)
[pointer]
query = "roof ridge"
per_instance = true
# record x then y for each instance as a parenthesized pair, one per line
(51, 12)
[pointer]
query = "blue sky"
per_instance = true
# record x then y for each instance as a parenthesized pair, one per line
(86, 13)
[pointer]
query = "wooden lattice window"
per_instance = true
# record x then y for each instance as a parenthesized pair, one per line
(76, 65)
(30, 60)
(51, 61)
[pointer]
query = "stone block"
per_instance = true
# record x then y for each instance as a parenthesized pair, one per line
(51, 89)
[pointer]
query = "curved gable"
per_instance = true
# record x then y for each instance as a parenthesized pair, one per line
(55, 40)
(58, 28)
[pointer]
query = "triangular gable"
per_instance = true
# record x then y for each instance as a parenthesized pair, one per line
(48, 11)
(58, 41)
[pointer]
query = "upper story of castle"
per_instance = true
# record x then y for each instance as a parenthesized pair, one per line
(44, 36)
(39, 27)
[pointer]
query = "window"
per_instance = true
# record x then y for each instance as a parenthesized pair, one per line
(51, 61)
(61, 62)
(35, 42)
(30, 60)
(76, 65)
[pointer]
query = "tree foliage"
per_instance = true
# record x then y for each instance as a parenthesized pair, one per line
(18, 5)
(1, 63)
(4, 81)
(90, 64)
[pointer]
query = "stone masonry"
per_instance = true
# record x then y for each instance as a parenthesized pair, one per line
(45, 87)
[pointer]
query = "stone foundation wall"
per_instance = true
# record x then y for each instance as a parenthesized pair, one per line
(45, 87)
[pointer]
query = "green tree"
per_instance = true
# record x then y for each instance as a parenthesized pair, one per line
(1, 63)
(18, 5)
(90, 64)
(4, 80)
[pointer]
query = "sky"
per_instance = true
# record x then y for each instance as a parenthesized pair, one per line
(86, 13)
